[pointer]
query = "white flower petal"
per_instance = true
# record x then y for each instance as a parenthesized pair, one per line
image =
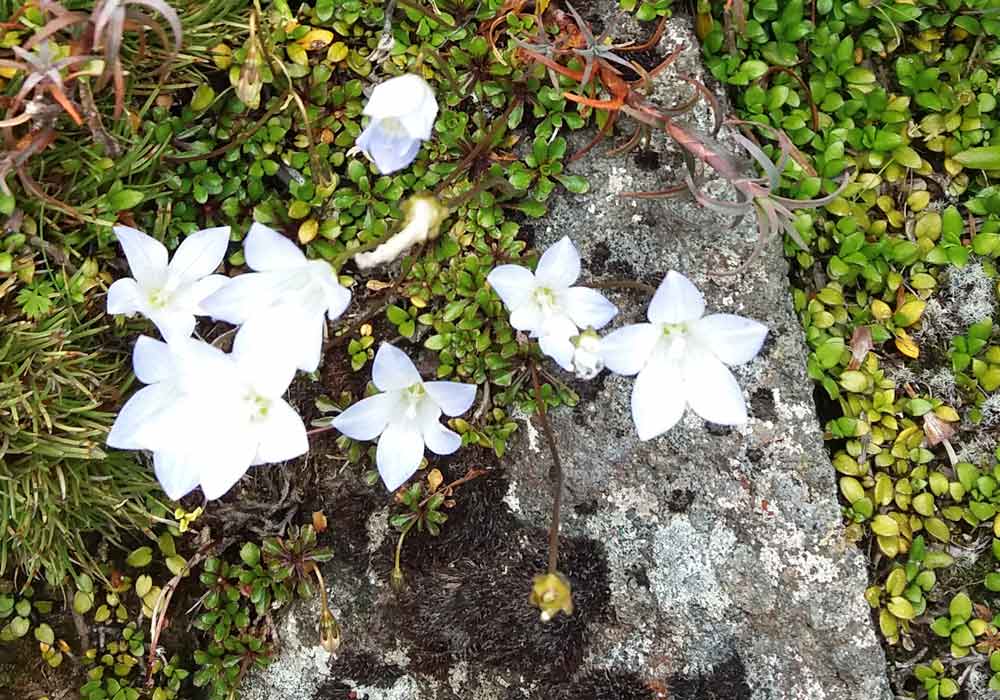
(368, 418)
(733, 339)
(513, 284)
(265, 249)
(711, 389)
(338, 298)
(148, 420)
(400, 449)
(393, 369)
(626, 350)
(310, 343)
(587, 307)
(227, 461)
(261, 353)
(281, 435)
(441, 440)
(152, 360)
(559, 266)
(391, 150)
(147, 257)
(241, 297)
(527, 317)
(560, 348)
(453, 398)
(399, 96)
(191, 296)
(177, 473)
(198, 256)
(657, 398)
(172, 324)
(676, 300)
(125, 297)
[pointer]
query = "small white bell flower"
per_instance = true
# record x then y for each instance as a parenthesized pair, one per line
(402, 111)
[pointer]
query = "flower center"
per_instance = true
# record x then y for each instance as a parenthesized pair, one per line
(412, 396)
(159, 298)
(392, 126)
(674, 330)
(259, 406)
(546, 300)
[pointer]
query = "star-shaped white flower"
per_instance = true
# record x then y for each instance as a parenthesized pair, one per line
(169, 294)
(545, 304)
(680, 357)
(405, 417)
(208, 416)
(402, 111)
(287, 297)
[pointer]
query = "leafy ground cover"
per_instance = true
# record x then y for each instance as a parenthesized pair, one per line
(255, 119)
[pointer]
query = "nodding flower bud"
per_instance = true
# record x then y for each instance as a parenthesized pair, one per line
(552, 594)
(424, 216)
(329, 632)
(587, 359)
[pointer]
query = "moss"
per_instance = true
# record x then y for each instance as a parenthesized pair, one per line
(726, 681)
(362, 669)
(467, 592)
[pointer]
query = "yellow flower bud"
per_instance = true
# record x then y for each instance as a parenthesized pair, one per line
(551, 593)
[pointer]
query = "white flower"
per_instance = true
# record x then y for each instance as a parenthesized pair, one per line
(681, 357)
(587, 358)
(169, 295)
(424, 216)
(287, 297)
(546, 305)
(406, 415)
(402, 111)
(208, 416)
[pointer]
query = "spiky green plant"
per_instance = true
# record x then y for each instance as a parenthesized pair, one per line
(59, 491)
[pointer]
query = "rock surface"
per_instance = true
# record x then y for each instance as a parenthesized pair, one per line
(707, 564)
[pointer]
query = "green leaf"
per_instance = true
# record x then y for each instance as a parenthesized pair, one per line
(960, 607)
(250, 554)
(202, 98)
(981, 158)
(140, 557)
(44, 634)
(125, 199)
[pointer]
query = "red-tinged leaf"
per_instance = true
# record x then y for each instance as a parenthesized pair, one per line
(936, 430)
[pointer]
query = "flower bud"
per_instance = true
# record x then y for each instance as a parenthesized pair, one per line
(329, 632)
(551, 593)
(587, 358)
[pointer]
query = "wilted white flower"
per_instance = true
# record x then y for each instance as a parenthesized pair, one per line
(287, 297)
(169, 294)
(405, 417)
(208, 416)
(423, 220)
(402, 111)
(544, 304)
(680, 357)
(587, 359)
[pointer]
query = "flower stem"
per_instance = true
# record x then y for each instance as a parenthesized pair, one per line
(555, 473)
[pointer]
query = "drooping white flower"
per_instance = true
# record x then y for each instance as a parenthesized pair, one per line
(588, 360)
(169, 294)
(207, 416)
(405, 417)
(545, 304)
(402, 111)
(680, 358)
(287, 297)
(424, 216)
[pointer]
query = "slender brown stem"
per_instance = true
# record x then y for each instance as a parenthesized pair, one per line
(555, 473)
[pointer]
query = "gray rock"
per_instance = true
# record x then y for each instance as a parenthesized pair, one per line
(708, 563)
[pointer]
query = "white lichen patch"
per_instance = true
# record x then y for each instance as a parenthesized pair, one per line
(297, 671)
(684, 575)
